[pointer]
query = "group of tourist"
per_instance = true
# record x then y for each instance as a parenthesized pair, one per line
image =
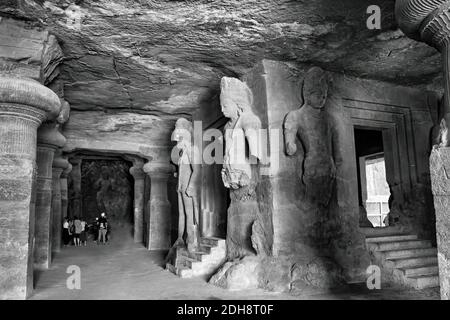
(76, 230)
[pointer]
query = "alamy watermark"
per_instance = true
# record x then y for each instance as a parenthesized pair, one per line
(374, 277)
(374, 20)
(74, 280)
(239, 147)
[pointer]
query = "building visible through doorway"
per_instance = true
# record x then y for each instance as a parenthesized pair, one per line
(373, 188)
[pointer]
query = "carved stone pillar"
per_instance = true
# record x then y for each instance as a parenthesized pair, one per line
(440, 180)
(64, 190)
(138, 174)
(159, 226)
(59, 166)
(75, 203)
(24, 104)
(48, 141)
(429, 21)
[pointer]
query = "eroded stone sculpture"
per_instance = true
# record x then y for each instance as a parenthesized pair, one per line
(239, 171)
(242, 128)
(189, 175)
(310, 125)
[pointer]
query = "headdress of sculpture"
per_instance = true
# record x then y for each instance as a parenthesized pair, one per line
(236, 100)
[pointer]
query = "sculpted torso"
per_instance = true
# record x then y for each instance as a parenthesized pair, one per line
(241, 143)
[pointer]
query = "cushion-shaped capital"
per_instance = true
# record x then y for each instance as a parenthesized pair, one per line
(30, 93)
(158, 168)
(48, 134)
(411, 13)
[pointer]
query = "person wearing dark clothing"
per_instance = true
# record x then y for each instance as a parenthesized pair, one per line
(66, 233)
(102, 224)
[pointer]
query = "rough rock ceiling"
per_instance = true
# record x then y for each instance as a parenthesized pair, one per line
(166, 57)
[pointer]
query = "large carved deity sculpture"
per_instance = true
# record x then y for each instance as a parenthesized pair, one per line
(310, 125)
(189, 175)
(239, 173)
(241, 130)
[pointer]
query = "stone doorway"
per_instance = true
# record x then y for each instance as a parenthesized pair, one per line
(373, 187)
(102, 183)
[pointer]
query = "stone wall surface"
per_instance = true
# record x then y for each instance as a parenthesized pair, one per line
(28, 51)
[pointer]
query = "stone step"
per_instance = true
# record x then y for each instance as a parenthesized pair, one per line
(392, 238)
(185, 272)
(198, 255)
(410, 253)
(414, 262)
(422, 282)
(421, 271)
(211, 241)
(397, 245)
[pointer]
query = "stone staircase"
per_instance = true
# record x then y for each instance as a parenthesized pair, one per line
(202, 263)
(405, 260)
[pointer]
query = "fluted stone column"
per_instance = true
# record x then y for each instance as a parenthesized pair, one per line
(65, 191)
(159, 227)
(440, 179)
(48, 141)
(24, 104)
(59, 165)
(138, 174)
(429, 21)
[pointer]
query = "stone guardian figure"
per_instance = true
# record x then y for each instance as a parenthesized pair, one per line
(189, 176)
(310, 126)
(239, 172)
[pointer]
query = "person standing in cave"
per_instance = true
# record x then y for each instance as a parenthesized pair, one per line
(78, 229)
(102, 225)
(66, 233)
(83, 236)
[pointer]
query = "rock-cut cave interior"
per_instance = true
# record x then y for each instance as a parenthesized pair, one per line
(224, 149)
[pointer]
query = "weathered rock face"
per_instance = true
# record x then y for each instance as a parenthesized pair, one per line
(167, 57)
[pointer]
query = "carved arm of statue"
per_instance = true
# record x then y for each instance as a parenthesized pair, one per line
(252, 131)
(195, 178)
(290, 129)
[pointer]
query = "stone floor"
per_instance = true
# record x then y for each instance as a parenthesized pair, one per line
(124, 270)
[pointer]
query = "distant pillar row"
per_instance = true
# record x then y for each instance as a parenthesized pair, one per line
(159, 208)
(24, 105)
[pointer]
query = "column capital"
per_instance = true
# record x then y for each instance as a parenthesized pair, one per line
(75, 161)
(425, 20)
(49, 135)
(158, 169)
(137, 172)
(60, 162)
(66, 171)
(27, 98)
